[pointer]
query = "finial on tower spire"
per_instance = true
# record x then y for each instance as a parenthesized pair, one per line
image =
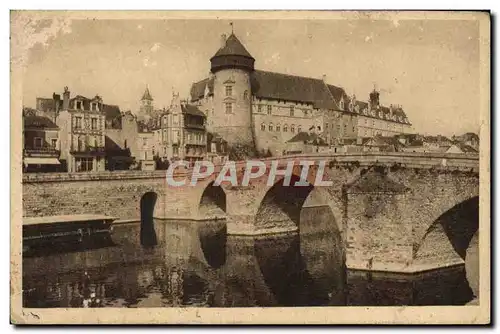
(232, 27)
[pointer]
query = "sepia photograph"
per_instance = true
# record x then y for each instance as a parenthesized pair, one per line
(250, 167)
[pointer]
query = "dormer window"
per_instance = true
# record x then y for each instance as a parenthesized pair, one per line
(79, 105)
(94, 106)
(229, 90)
(356, 108)
(342, 104)
(269, 110)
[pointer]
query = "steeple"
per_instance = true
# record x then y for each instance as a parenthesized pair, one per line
(146, 102)
(147, 95)
(232, 54)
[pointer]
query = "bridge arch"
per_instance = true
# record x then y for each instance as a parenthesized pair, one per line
(456, 225)
(148, 233)
(282, 205)
(212, 201)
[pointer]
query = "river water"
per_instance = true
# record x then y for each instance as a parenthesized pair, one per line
(197, 264)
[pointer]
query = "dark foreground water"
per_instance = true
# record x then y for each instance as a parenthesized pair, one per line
(197, 264)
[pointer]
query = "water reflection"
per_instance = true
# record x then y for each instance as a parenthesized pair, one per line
(197, 264)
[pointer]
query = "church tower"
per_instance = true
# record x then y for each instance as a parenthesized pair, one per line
(146, 103)
(231, 68)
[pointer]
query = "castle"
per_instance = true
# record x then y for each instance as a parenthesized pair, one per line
(263, 110)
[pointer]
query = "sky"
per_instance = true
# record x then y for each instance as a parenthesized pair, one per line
(430, 67)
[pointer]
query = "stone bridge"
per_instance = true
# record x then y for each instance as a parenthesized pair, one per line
(394, 211)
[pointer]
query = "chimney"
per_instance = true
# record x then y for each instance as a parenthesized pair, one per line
(66, 93)
(223, 40)
(391, 110)
(324, 78)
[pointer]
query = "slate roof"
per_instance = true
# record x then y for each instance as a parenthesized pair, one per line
(466, 148)
(309, 138)
(278, 86)
(192, 110)
(385, 112)
(113, 115)
(198, 88)
(39, 122)
(384, 142)
(233, 47)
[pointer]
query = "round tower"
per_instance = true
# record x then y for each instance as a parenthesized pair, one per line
(231, 67)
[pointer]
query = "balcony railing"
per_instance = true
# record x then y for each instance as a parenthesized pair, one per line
(88, 149)
(41, 152)
(194, 126)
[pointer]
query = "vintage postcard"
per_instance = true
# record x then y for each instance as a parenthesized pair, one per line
(277, 167)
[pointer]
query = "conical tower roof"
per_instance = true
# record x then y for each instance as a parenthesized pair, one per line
(232, 55)
(233, 47)
(147, 95)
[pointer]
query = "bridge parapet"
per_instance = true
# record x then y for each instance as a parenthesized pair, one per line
(92, 176)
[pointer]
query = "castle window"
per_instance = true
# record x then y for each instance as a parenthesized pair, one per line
(326, 126)
(229, 108)
(259, 108)
(291, 111)
(278, 128)
(299, 129)
(271, 128)
(263, 127)
(285, 128)
(125, 144)
(292, 128)
(94, 123)
(245, 95)
(229, 90)
(269, 110)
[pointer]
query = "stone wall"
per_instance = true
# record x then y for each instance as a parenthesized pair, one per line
(115, 194)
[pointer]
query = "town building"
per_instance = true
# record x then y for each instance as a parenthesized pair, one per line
(217, 150)
(81, 122)
(306, 142)
(146, 148)
(263, 110)
(469, 138)
(180, 132)
(40, 144)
